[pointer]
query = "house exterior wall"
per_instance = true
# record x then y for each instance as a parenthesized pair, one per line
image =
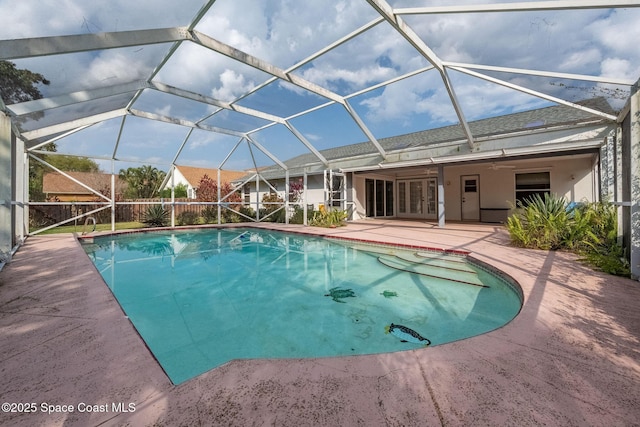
(359, 192)
(315, 190)
(178, 179)
(571, 177)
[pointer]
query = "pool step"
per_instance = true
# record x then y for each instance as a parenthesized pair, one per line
(432, 271)
(442, 262)
(441, 256)
(386, 250)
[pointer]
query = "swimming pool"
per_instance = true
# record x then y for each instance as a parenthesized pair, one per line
(202, 297)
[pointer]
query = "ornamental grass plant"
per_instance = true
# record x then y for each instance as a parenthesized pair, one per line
(156, 216)
(328, 218)
(588, 229)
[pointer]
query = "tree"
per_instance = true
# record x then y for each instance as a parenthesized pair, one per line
(73, 163)
(180, 192)
(208, 191)
(143, 182)
(19, 85)
(64, 163)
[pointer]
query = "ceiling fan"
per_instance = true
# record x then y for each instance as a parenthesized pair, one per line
(494, 166)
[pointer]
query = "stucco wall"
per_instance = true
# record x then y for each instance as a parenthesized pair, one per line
(315, 190)
(571, 177)
(180, 179)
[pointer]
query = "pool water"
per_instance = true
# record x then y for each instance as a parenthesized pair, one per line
(200, 298)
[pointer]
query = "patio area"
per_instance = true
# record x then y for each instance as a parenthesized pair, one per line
(570, 358)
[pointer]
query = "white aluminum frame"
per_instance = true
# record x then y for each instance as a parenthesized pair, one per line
(43, 46)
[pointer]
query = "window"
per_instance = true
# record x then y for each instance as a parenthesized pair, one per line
(402, 199)
(471, 185)
(371, 200)
(334, 189)
(432, 192)
(379, 198)
(337, 185)
(389, 197)
(246, 190)
(528, 184)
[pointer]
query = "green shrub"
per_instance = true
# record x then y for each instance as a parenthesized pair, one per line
(273, 209)
(210, 215)
(588, 229)
(231, 216)
(271, 215)
(599, 245)
(247, 211)
(179, 192)
(328, 218)
(298, 215)
(188, 218)
(607, 258)
(540, 223)
(156, 216)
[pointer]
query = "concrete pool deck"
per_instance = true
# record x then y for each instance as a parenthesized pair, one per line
(570, 358)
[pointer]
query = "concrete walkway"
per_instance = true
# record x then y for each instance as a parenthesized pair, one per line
(570, 358)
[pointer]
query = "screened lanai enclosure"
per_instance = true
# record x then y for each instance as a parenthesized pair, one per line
(345, 103)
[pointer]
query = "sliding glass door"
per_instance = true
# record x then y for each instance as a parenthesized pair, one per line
(379, 194)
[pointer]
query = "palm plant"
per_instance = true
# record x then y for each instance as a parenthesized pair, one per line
(142, 182)
(328, 218)
(540, 223)
(156, 216)
(589, 229)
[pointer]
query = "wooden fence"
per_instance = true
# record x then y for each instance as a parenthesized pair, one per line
(44, 215)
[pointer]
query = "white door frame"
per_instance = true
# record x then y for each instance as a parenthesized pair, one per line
(470, 201)
(420, 211)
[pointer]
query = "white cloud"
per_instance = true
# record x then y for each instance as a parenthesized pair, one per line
(201, 139)
(164, 111)
(426, 97)
(112, 67)
(420, 95)
(232, 85)
(313, 137)
(218, 25)
(621, 68)
(45, 13)
(358, 78)
(284, 32)
(618, 33)
(581, 59)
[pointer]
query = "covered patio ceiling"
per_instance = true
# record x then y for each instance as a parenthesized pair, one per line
(243, 84)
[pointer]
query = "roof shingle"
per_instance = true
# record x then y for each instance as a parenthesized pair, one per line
(194, 174)
(547, 117)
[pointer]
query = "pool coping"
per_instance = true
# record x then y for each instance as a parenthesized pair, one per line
(89, 237)
(569, 358)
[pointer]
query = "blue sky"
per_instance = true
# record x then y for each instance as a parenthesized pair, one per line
(599, 42)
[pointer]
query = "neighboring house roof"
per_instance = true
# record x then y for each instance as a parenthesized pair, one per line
(539, 119)
(55, 183)
(194, 175)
